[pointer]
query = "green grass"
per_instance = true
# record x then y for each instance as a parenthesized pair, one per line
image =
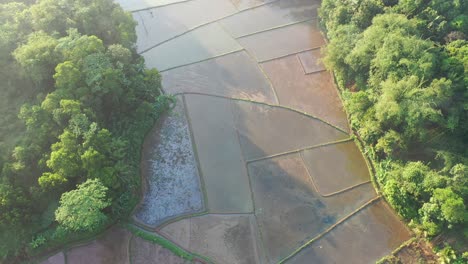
(159, 240)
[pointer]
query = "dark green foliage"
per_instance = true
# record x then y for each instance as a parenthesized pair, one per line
(403, 70)
(76, 103)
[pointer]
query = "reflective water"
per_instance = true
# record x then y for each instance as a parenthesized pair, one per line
(132, 5)
(271, 15)
(266, 130)
(235, 75)
(203, 43)
(336, 167)
(364, 238)
(224, 173)
(289, 209)
(312, 93)
(311, 61)
(283, 41)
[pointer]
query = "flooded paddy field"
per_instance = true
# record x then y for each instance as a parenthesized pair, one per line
(171, 180)
(363, 238)
(256, 163)
(235, 76)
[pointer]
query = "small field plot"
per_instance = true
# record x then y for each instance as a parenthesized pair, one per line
(275, 14)
(234, 75)
(168, 165)
(283, 41)
(222, 238)
(132, 5)
(288, 208)
(336, 167)
(245, 4)
(311, 61)
(103, 250)
(58, 258)
(200, 44)
(364, 238)
(312, 93)
(144, 252)
(267, 130)
(159, 24)
(222, 166)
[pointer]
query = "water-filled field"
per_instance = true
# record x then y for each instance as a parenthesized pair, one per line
(256, 163)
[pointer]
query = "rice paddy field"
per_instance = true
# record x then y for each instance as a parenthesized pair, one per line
(256, 163)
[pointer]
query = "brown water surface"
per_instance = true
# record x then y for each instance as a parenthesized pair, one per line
(235, 75)
(364, 238)
(312, 93)
(269, 16)
(336, 167)
(283, 41)
(266, 130)
(219, 154)
(200, 44)
(289, 209)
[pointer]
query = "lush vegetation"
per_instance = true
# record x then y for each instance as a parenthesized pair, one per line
(76, 102)
(402, 66)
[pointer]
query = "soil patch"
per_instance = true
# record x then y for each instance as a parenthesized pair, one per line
(58, 258)
(222, 238)
(111, 248)
(415, 253)
(144, 252)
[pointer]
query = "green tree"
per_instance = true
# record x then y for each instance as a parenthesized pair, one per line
(38, 56)
(81, 209)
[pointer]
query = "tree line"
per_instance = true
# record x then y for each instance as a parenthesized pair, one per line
(402, 67)
(77, 103)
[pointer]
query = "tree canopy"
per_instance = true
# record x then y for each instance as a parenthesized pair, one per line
(81, 209)
(76, 102)
(402, 67)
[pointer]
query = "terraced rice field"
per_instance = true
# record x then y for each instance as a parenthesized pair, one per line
(256, 163)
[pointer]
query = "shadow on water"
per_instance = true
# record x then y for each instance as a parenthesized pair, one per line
(290, 211)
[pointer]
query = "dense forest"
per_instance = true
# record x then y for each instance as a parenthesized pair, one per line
(76, 102)
(402, 67)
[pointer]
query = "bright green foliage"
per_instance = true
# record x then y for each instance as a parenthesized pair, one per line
(38, 56)
(76, 102)
(402, 67)
(81, 209)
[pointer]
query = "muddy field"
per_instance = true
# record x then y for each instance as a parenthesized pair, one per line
(256, 164)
